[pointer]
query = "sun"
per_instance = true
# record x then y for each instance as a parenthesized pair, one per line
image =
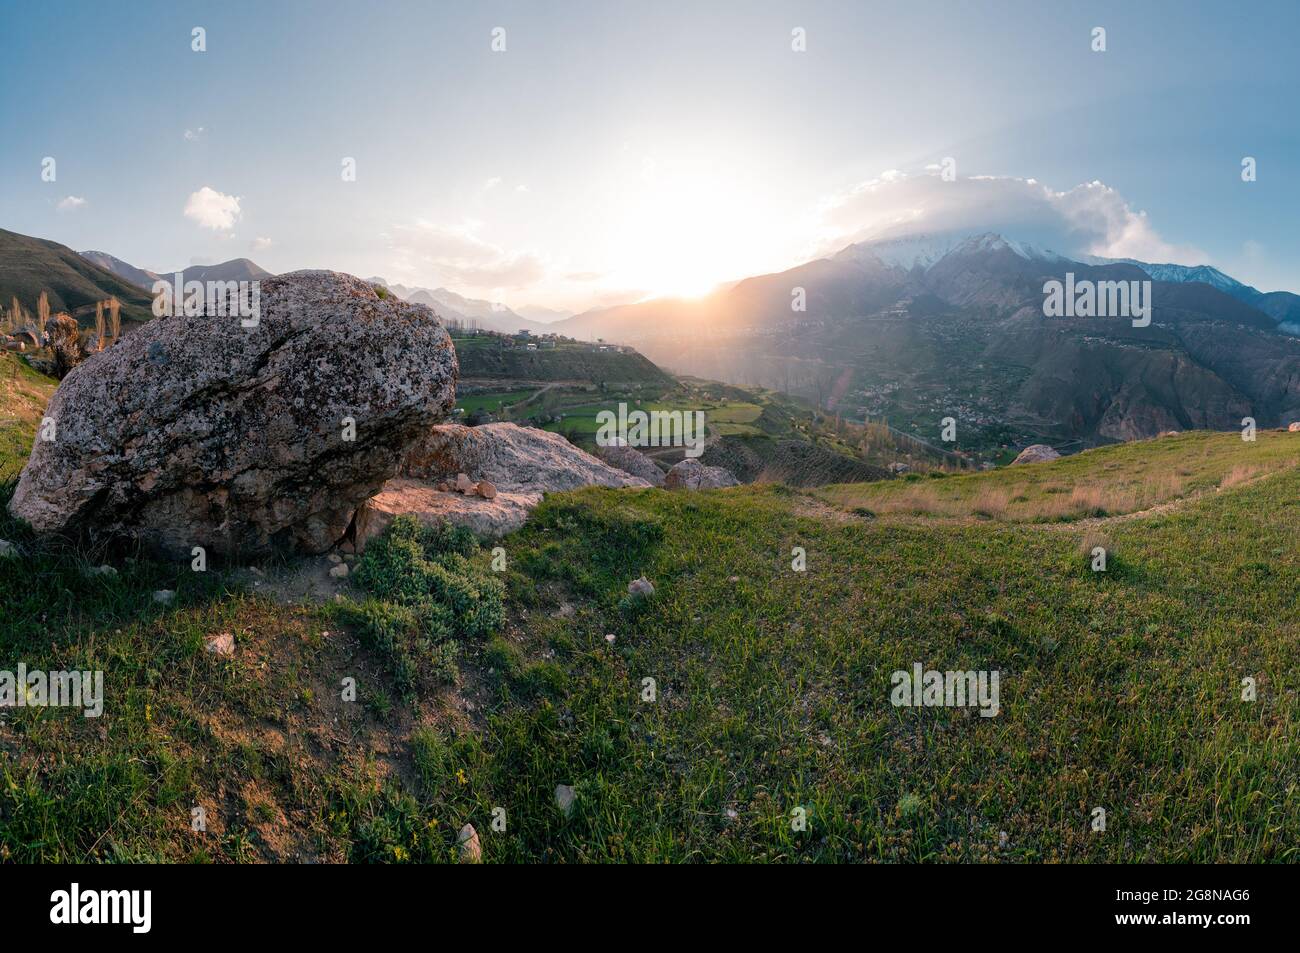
(684, 227)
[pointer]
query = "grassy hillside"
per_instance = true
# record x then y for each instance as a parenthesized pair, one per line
(1109, 481)
(29, 266)
(1119, 690)
(483, 357)
(24, 392)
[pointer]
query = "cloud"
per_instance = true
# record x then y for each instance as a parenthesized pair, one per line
(259, 243)
(1089, 219)
(192, 135)
(491, 183)
(71, 203)
(459, 258)
(212, 209)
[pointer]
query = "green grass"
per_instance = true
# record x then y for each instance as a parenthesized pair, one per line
(24, 392)
(1119, 690)
(493, 401)
(1109, 481)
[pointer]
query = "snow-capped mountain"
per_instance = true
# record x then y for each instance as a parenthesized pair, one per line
(925, 250)
(489, 315)
(1182, 274)
(1282, 306)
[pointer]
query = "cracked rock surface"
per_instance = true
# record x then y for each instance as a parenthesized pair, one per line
(198, 431)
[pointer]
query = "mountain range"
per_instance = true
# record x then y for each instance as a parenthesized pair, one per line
(917, 328)
(489, 315)
(29, 266)
(449, 305)
(912, 329)
(237, 269)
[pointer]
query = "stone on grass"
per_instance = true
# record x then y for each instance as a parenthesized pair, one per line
(564, 799)
(339, 571)
(222, 644)
(632, 461)
(202, 431)
(471, 850)
(164, 597)
(693, 475)
(1036, 453)
(519, 464)
(641, 588)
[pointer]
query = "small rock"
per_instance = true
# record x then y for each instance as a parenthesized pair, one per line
(349, 559)
(164, 596)
(335, 558)
(564, 799)
(223, 644)
(690, 474)
(1002, 838)
(486, 490)
(104, 570)
(463, 483)
(641, 587)
(609, 637)
(340, 571)
(1036, 453)
(471, 851)
(7, 549)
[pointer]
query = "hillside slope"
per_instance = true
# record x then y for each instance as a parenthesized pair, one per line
(24, 392)
(482, 357)
(1119, 690)
(916, 330)
(29, 266)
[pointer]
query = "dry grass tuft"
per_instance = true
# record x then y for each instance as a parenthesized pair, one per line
(1241, 473)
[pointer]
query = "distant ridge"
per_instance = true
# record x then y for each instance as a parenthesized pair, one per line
(237, 269)
(30, 265)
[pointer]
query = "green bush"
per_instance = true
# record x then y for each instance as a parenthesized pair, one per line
(426, 592)
(428, 569)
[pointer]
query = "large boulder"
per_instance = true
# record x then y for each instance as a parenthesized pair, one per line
(493, 518)
(1036, 453)
(632, 461)
(522, 463)
(199, 431)
(693, 475)
(510, 456)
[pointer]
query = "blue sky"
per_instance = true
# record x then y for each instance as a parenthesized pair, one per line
(620, 149)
